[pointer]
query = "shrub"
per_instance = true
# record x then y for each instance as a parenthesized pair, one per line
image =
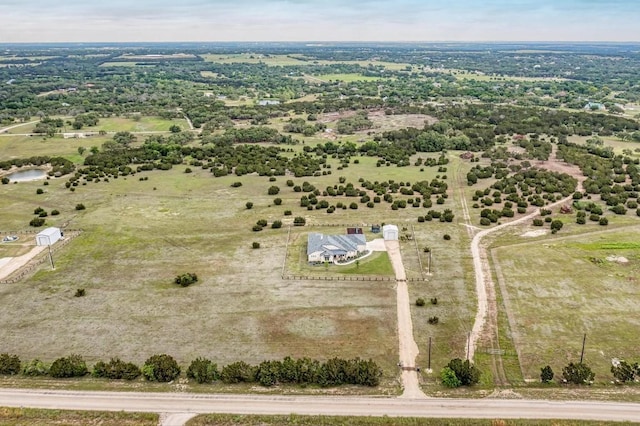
(276, 224)
(160, 368)
(433, 320)
(9, 364)
(38, 210)
(249, 205)
(449, 379)
(80, 292)
(581, 220)
(203, 370)
(556, 225)
(185, 280)
(273, 190)
(467, 373)
(353, 206)
(257, 228)
(277, 201)
(255, 245)
(434, 300)
(299, 221)
(288, 213)
(55, 212)
(546, 374)
(538, 222)
(35, 368)
(39, 191)
(485, 221)
(623, 372)
(80, 206)
(5, 180)
(262, 222)
(420, 301)
(238, 372)
(116, 369)
(188, 170)
(71, 366)
(36, 222)
(603, 221)
(447, 237)
(619, 209)
(236, 184)
(577, 374)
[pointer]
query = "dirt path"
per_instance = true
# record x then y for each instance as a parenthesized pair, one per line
(408, 349)
(484, 282)
(18, 262)
(6, 129)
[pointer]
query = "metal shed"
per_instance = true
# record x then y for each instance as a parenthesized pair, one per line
(390, 232)
(48, 236)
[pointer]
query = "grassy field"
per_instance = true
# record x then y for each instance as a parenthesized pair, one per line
(28, 146)
(244, 420)
(33, 416)
(144, 124)
(580, 286)
(254, 58)
(137, 239)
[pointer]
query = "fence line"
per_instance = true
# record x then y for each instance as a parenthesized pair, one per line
(415, 240)
(346, 278)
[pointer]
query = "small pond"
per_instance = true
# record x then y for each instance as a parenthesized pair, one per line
(27, 175)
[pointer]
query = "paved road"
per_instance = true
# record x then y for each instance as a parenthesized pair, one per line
(322, 405)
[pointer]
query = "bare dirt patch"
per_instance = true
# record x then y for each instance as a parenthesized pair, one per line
(618, 259)
(533, 234)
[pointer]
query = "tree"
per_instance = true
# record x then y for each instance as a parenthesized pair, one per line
(238, 372)
(37, 222)
(203, 370)
(81, 150)
(273, 190)
(577, 373)
(623, 372)
(467, 373)
(161, 368)
(175, 129)
(276, 224)
(71, 366)
(449, 379)
(9, 364)
(116, 369)
(299, 221)
(546, 374)
(124, 138)
(556, 225)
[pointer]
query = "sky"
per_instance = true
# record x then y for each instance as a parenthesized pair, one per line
(318, 20)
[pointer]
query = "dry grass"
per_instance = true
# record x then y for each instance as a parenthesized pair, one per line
(33, 416)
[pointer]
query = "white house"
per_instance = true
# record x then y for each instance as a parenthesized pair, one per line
(335, 248)
(390, 232)
(48, 236)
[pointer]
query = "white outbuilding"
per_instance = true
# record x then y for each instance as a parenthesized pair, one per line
(48, 236)
(390, 232)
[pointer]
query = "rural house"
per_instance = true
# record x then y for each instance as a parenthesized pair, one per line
(335, 248)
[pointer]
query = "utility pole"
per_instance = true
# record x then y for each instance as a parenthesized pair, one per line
(468, 344)
(584, 340)
(429, 358)
(50, 254)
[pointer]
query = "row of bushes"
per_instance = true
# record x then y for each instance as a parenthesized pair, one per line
(164, 368)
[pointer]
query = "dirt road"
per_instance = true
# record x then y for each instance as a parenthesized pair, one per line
(18, 262)
(484, 282)
(319, 405)
(408, 349)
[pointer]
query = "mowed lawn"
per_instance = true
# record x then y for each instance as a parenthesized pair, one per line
(561, 288)
(138, 235)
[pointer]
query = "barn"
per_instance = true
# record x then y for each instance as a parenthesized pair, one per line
(48, 236)
(390, 232)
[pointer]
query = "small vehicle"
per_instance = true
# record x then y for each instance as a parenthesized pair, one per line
(10, 238)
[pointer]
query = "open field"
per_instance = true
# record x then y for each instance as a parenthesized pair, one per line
(34, 416)
(253, 58)
(125, 64)
(581, 284)
(144, 124)
(28, 146)
(479, 76)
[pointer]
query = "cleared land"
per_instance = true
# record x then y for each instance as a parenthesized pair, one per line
(140, 234)
(570, 285)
